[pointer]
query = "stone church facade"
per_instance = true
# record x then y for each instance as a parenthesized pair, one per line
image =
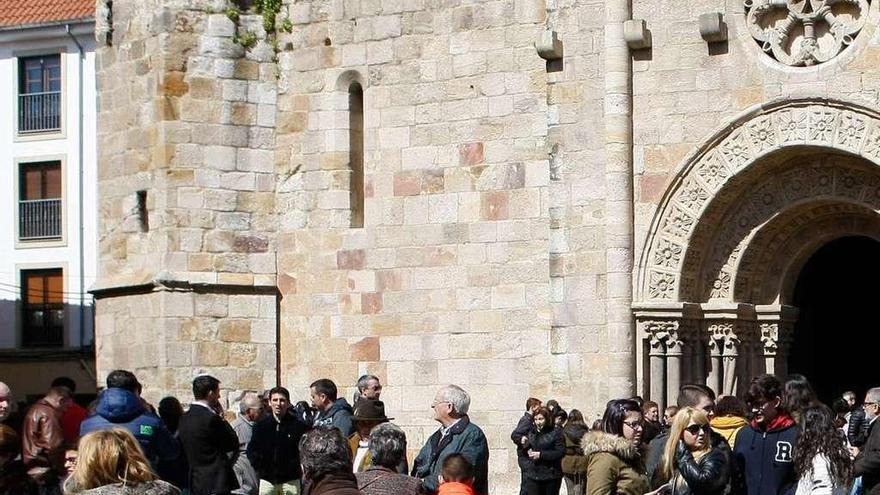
(569, 200)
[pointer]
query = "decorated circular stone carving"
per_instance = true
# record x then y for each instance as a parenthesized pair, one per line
(802, 33)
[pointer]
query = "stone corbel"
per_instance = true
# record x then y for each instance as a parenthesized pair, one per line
(549, 45)
(637, 34)
(713, 29)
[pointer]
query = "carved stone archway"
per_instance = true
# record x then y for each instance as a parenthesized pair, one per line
(766, 190)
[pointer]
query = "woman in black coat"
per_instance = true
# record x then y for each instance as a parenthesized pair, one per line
(546, 448)
(690, 465)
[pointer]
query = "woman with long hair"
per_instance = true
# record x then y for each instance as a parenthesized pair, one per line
(111, 462)
(616, 462)
(543, 470)
(821, 459)
(574, 464)
(798, 395)
(690, 466)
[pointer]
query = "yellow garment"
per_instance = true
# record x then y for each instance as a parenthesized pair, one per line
(728, 427)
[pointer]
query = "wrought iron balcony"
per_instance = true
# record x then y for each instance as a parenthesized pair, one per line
(39, 112)
(39, 219)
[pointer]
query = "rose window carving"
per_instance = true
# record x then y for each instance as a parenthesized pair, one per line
(805, 32)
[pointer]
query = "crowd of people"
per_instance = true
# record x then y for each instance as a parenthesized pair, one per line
(779, 440)
(121, 444)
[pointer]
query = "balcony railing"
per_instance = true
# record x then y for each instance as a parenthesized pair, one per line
(39, 219)
(39, 112)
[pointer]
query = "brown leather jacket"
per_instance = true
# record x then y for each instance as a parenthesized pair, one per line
(42, 439)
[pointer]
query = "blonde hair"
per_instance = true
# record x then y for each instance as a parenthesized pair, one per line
(682, 419)
(108, 457)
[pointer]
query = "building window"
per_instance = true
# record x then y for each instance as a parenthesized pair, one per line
(39, 205)
(42, 294)
(39, 94)
(356, 153)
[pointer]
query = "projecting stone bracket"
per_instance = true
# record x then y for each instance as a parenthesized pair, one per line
(549, 45)
(713, 29)
(636, 34)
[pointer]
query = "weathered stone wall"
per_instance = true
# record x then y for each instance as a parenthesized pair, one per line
(497, 234)
(186, 115)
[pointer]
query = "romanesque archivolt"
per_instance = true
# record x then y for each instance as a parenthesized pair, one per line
(679, 234)
(805, 32)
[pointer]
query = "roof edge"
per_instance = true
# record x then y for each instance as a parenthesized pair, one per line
(40, 25)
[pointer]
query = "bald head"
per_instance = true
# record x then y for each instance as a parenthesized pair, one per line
(5, 401)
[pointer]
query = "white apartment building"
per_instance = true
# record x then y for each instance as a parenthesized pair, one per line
(48, 179)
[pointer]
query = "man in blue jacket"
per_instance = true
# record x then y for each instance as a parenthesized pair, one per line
(120, 406)
(457, 435)
(332, 410)
(764, 449)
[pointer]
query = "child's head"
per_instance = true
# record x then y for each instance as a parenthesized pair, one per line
(456, 468)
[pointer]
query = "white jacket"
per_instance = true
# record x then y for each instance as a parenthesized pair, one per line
(818, 481)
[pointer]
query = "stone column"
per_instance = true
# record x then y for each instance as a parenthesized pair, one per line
(656, 357)
(776, 325)
(716, 347)
(619, 198)
(731, 363)
(673, 367)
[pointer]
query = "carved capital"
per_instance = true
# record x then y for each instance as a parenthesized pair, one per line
(661, 335)
(770, 338)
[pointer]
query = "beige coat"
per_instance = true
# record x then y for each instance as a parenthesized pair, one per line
(615, 465)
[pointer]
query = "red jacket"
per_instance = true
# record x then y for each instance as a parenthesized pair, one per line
(455, 488)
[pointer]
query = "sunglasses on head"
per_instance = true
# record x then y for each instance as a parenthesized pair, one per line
(695, 429)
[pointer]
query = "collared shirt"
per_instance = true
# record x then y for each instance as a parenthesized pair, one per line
(203, 403)
(444, 430)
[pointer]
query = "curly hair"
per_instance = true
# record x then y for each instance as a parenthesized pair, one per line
(818, 436)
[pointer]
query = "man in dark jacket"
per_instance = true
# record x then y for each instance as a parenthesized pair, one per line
(332, 411)
(274, 447)
(867, 464)
(209, 441)
(457, 435)
(520, 437)
(764, 450)
(118, 407)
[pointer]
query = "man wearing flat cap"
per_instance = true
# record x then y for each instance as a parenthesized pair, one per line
(367, 415)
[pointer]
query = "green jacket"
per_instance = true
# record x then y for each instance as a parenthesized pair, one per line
(615, 465)
(464, 438)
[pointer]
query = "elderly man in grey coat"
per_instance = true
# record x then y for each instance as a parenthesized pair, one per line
(457, 435)
(250, 411)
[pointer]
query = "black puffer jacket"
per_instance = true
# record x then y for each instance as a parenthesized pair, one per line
(552, 448)
(274, 448)
(708, 476)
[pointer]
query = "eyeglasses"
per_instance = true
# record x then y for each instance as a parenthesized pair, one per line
(695, 429)
(437, 403)
(635, 425)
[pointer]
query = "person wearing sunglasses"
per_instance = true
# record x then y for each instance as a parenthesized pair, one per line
(690, 465)
(615, 453)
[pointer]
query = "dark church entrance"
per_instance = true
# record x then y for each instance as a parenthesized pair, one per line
(837, 334)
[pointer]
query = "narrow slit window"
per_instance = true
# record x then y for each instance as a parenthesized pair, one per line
(143, 215)
(356, 153)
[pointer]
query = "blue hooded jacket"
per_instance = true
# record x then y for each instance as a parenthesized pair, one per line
(118, 407)
(765, 461)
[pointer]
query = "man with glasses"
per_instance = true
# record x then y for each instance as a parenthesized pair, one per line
(457, 435)
(867, 464)
(764, 450)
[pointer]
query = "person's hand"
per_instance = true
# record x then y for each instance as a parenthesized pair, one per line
(681, 452)
(524, 441)
(854, 452)
(533, 455)
(663, 490)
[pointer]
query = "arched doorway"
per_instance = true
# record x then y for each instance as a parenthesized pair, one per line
(835, 336)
